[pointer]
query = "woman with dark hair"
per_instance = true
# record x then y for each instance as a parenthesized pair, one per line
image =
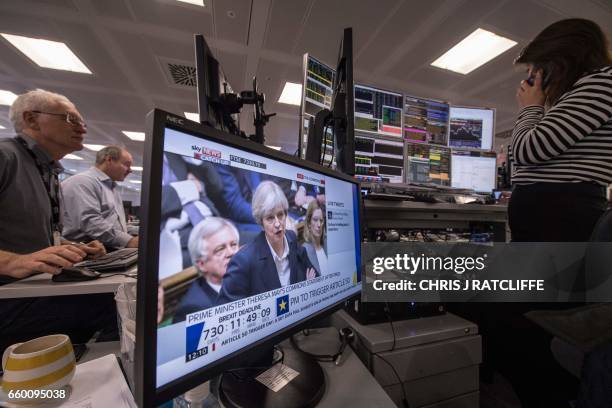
(314, 237)
(562, 139)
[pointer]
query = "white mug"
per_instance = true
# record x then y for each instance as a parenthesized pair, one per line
(44, 363)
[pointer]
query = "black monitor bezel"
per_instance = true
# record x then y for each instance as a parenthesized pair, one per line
(145, 367)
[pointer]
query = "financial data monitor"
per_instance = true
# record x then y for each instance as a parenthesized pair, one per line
(212, 244)
(379, 157)
(317, 94)
(378, 112)
(471, 128)
(425, 120)
(428, 164)
(474, 170)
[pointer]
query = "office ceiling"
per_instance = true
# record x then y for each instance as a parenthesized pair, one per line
(128, 44)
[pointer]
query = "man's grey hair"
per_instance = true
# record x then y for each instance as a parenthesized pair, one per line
(37, 99)
(114, 152)
(268, 196)
(198, 238)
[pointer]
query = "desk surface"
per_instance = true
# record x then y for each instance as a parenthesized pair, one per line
(42, 285)
(348, 385)
(499, 210)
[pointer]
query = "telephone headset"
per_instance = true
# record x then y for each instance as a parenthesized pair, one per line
(546, 74)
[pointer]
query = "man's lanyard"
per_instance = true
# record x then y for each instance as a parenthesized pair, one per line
(54, 196)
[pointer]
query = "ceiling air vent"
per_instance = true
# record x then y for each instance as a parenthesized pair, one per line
(182, 74)
(178, 73)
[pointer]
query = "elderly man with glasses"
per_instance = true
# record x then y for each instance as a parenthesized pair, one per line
(93, 206)
(48, 127)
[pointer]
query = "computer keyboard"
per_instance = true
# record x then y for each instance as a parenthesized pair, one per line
(117, 260)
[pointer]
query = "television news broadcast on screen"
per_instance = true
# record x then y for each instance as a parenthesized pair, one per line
(253, 307)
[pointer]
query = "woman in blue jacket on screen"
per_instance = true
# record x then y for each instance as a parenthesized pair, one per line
(274, 259)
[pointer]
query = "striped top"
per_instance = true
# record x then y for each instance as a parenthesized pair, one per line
(570, 143)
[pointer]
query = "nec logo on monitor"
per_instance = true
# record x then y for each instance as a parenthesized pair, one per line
(174, 119)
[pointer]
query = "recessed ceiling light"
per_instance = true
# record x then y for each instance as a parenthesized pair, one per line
(136, 168)
(193, 116)
(47, 53)
(292, 94)
(94, 147)
(2, 127)
(194, 2)
(7, 97)
(72, 157)
(138, 136)
(135, 181)
(274, 147)
(473, 51)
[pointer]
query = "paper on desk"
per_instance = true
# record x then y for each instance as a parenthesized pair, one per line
(99, 383)
(277, 376)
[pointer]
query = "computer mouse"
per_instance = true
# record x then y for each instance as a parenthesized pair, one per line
(75, 274)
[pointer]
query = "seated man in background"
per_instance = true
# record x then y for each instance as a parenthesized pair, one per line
(93, 207)
(212, 244)
(48, 127)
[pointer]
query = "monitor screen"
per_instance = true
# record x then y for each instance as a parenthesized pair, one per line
(379, 157)
(471, 128)
(474, 170)
(427, 164)
(316, 95)
(216, 206)
(378, 112)
(425, 120)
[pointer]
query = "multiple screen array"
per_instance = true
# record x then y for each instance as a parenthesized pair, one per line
(255, 198)
(404, 138)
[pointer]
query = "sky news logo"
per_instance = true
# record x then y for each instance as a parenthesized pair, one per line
(300, 176)
(205, 151)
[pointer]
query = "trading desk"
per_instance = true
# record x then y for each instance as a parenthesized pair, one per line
(382, 214)
(42, 285)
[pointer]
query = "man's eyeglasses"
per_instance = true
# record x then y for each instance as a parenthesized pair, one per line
(68, 117)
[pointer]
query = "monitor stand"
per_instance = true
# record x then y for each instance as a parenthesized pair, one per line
(239, 388)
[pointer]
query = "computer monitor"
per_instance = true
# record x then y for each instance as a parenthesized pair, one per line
(428, 164)
(474, 170)
(380, 157)
(471, 128)
(425, 120)
(340, 117)
(318, 79)
(377, 112)
(211, 84)
(178, 350)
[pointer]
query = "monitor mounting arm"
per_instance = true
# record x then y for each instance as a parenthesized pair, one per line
(232, 103)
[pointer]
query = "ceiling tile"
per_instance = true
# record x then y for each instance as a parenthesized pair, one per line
(191, 19)
(406, 21)
(532, 17)
(232, 19)
(443, 36)
(284, 24)
(324, 28)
